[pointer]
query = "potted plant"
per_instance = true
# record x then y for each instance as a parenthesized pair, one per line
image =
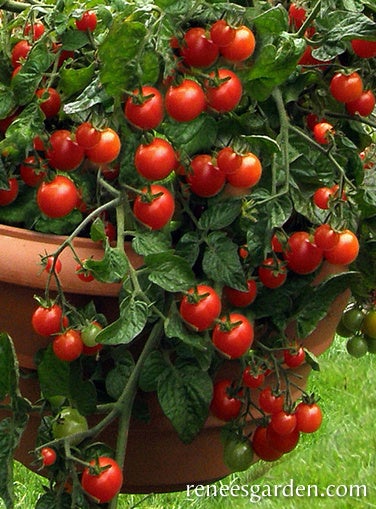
(201, 176)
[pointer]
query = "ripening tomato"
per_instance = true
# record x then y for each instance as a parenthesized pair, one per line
(205, 179)
(154, 207)
(103, 479)
(63, 152)
(50, 101)
(48, 456)
(156, 160)
(323, 132)
(221, 33)
(297, 15)
(270, 402)
(200, 306)
(241, 47)
(47, 321)
(53, 265)
(308, 417)
(233, 335)
(294, 357)
(346, 249)
(252, 380)
(248, 173)
(144, 108)
(241, 298)
(107, 149)
(364, 48)
(58, 197)
(36, 28)
(325, 237)
(185, 101)
(228, 160)
(8, 196)
(20, 52)
(224, 90)
(226, 403)
(262, 447)
(82, 273)
(363, 105)
(322, 196)
(197, 49)
(33, 171)
(88, 21)
(272, 272)
(68, 346)
(346, 87)
(87, 136)
(237, 454)
(303, 256)
(283, 423)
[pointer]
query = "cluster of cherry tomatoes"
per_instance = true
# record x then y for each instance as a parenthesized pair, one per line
(358, 325)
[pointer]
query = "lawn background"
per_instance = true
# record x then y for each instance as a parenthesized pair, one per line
(342, 452)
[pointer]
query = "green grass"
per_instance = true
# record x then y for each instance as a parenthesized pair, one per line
(342, 452)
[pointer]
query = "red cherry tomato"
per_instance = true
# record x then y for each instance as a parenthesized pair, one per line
(262, 446)
(144, 108)
(88, 21)
(308, 417)
(197, 49)
(270, 402)
(200, 307)
(233, 335)
(225, 95)
(186, 101)
(58, 197)
(155, 207)
(363, 105)
(107, 149)
(272, 273)
(205, 179)
(68, 346)
(63, 152)
(50, 101)
(103, 480)
(302, 254)
(48, 456)
(241, 47)
(155, 160)
(47, 321)
(346, 87)
(8, 196)
(241, 298)
(226, 403)
(364, 48)
(346, 249)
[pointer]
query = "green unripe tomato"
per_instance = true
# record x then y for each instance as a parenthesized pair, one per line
(357, 346)
(89, 334)
(69, 422)
(352, 319)
(237, 454)
(369, 324)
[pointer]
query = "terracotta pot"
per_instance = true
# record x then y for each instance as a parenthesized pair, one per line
(156, 460)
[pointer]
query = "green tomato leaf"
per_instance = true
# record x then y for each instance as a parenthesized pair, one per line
(272, 21)
(53, 375)
(133, 317)
(170, 272)
(118, 377)
(175, 328)
(185, 394)
(74, 39)
(8, 367)
(152, 369)
(192, 137)
(112, 268)
(7, 101)
(188, 247)
(221, 261)
(83, 393)
(146, 243)
(220, 215)
(73, 81)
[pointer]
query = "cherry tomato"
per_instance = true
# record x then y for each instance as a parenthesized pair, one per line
(155, 207)
(68, 345)
(369, 324)
(103, 480)
(248, 173)
(357, 346)
(308, 417)
(225, 404)
(325, 237)
(262, 447)
(297, 15)
(272, 273)
(363, 105)
(302, 255)
(364, 48)
(87, 136)
(200, 307)
(85, 275)
(225, 95)
(58, 197)
(322, 196)
(107, 149)
(237, 454)
(63, 152)
(270, 402)
(20, 52)
(346, 87)
(48, 320)
(241, 47)
(345, 251)
(8, 196)
(50, 101)
(221, 33)
(48, 456)
(294, 357)
(228, 161)
(36, 28)
(33, 171)
(197, 49)
(205, 179)
(88, 21)
(283, 422)
(233, 335)
(90, 332)
(51, 264)
(185, 101)
(155, 160)
(352, 319)
(144, 108)
(282, 443)
(252, 380)
(241, 298)
(68, 422)
(323, 132)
